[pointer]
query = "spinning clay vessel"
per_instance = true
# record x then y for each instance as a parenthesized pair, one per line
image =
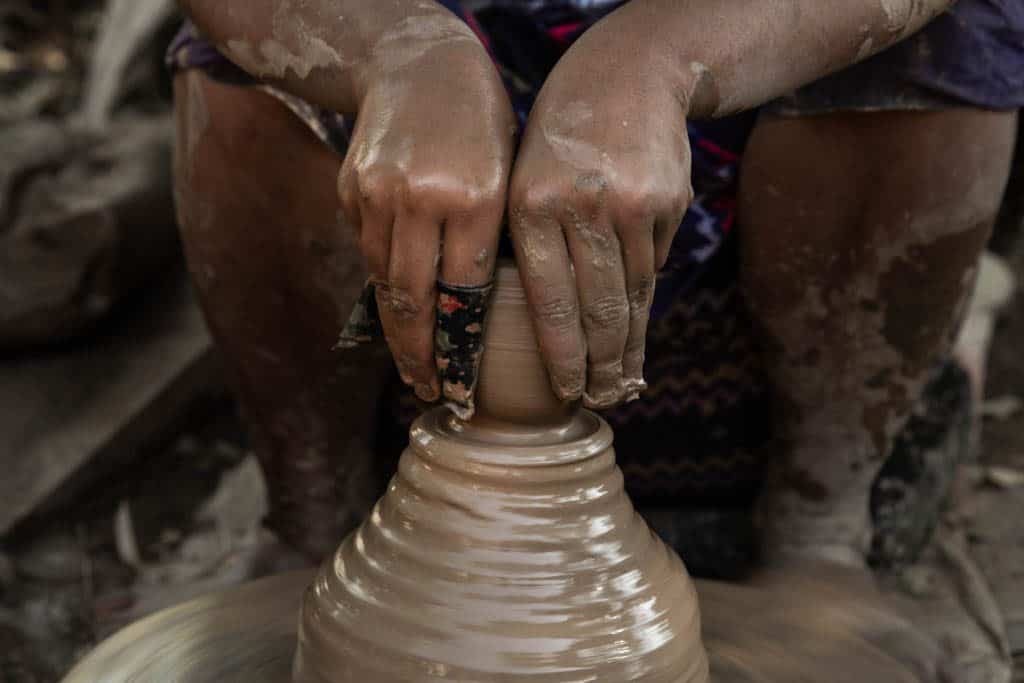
(505, 549)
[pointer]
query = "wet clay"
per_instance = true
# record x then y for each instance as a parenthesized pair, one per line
(795, 626)
(504, 549)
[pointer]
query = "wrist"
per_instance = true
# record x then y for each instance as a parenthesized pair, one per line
(612, 57)
(422, 47)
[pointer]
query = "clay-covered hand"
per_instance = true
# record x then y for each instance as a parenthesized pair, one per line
(425, 177)
(599, 187)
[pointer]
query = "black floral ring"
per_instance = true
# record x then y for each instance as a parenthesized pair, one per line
(458, 337)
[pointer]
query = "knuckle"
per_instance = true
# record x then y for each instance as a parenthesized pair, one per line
(590, 189)
(410, 366)
(378, 187)
(661, 254)
(634, 354)
(560, 313)
(419, 196)
(400, 303)
(376, 260)
(473, 199)
(685, 197)
(644, 201)
(568, 376)
(636, 204)
(640, 295)
(672, 207)
(349, 202)
(453, 196)
(532, 200)
(606, 312)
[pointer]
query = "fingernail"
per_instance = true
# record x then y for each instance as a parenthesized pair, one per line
(605, 385)
(632, 388)
(602, 400)
(567, 383)
(568, 392)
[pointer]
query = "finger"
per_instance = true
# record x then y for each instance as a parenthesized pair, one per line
(467, 268)
(669, 215)
(406, 301)
(638, 257)
(376, 219)
(665, 229)
(543, 260)
(604, 309)
(348, 196)
(470, 248)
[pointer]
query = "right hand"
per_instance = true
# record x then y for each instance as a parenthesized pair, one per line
(425, 177)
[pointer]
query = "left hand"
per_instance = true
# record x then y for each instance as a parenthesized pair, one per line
(599, 187)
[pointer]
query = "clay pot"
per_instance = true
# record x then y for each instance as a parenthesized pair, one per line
(505, 549)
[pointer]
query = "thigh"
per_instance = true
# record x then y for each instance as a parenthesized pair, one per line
(860, 236)
(861, 231)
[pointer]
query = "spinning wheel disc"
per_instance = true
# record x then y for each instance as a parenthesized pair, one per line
(809, 631)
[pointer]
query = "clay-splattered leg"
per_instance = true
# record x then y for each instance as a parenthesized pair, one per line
(277, 274)
(861, 234)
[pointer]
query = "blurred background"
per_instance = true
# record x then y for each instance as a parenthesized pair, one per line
(125, 484)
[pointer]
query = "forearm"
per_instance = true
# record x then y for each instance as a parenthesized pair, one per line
(326, 51)
(729, 56)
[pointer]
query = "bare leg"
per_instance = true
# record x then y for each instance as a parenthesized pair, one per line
(861, 234)
(277, 274)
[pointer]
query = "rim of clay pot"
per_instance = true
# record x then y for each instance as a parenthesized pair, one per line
(584, 438)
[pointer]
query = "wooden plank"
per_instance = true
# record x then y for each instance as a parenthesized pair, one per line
(70, 414)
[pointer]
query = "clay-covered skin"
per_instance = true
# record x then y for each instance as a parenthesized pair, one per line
(857, 265)
(423, 183)
(505, 549)
(603, 174)
(277, 271)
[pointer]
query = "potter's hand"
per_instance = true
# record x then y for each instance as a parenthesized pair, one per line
(603, 174)
(424, 184)
(430, 155)
(599, 187)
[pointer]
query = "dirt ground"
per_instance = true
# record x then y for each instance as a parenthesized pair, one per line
(996, 534)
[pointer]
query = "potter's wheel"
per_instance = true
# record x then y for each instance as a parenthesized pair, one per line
(506, 549)
(812, 630)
